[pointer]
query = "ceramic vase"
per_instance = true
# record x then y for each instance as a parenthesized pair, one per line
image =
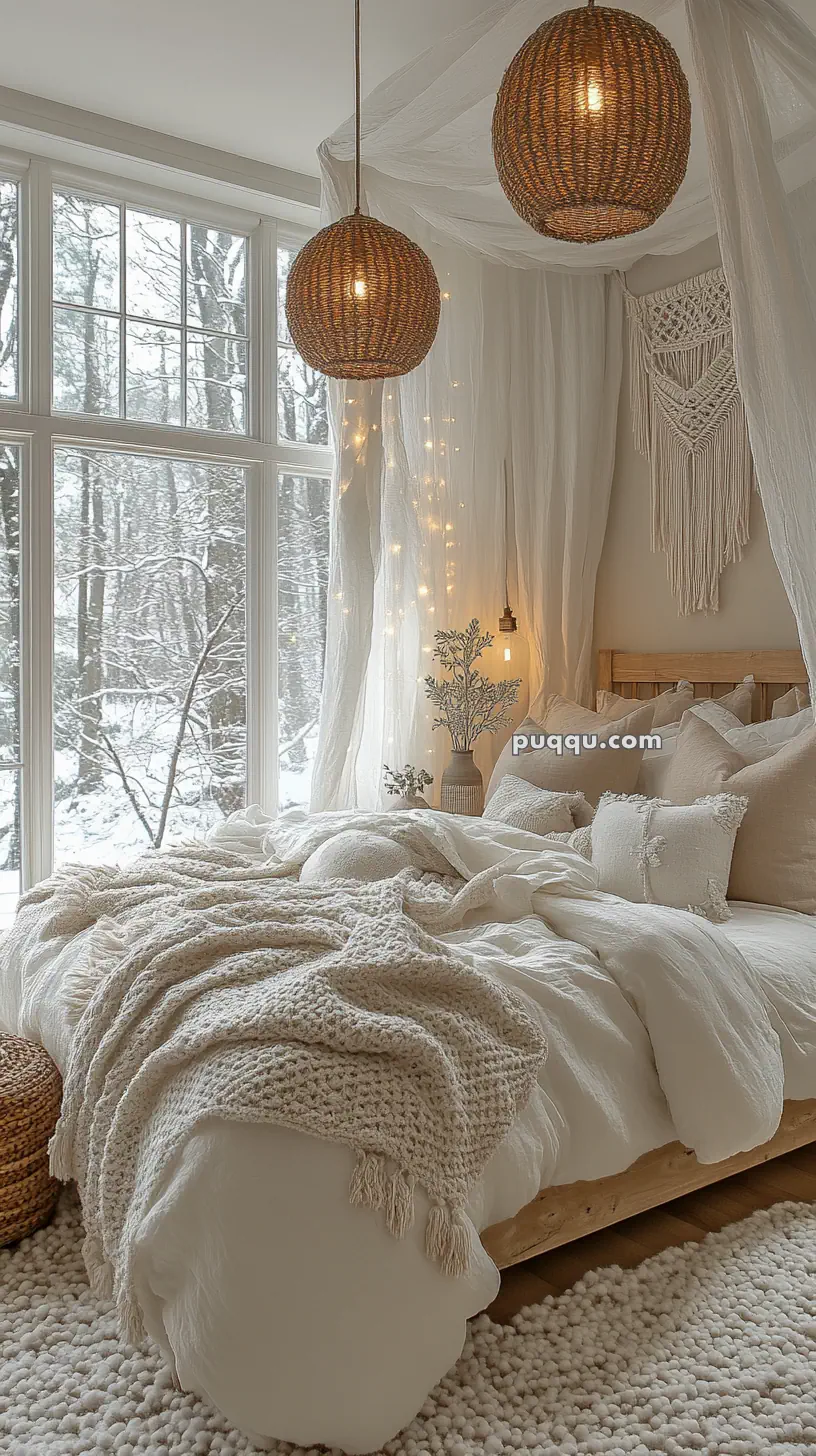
(462, 785)
(408, 801)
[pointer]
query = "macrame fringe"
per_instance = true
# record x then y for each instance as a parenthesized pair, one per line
(689, 422)
(701, 505)
(447, 1233)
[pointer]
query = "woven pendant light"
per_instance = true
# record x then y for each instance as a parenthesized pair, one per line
(362, 300)
(592, 125)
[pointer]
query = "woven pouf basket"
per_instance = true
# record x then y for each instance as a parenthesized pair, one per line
(30, 1096)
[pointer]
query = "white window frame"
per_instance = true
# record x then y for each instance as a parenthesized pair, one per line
(31, 423)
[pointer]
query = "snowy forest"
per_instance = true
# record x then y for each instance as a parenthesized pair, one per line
(149, 550)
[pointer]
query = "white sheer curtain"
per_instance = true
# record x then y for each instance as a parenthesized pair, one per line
(524, 374)
(742, 50)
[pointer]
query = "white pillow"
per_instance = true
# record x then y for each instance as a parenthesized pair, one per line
(760, 740)
(656, 853)
(539, 811)
(355, 854)
(655, 762)
(793, 701)
(714, 713)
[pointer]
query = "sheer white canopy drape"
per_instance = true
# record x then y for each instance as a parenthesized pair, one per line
(767, 243)
(525, 373)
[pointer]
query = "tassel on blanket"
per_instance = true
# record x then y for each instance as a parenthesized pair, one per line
(447, 1239)
(60, 1159)
(100, 1273)
(368, 1181)
(447, 1234)
(399, 1204)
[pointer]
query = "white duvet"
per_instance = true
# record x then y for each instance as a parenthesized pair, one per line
(299, 1315)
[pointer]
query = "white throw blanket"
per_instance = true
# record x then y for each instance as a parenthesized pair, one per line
(228, 991)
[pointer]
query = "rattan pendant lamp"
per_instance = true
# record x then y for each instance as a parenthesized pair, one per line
(592, 125)
(362, 301)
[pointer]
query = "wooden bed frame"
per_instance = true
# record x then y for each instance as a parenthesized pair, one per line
(560, 1214)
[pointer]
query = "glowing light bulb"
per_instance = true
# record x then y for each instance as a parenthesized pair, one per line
(594, 94)
(422, 591)
(360, 288)
(507, 654)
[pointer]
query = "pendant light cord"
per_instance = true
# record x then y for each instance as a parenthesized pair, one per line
(357, 104)
(506, 540)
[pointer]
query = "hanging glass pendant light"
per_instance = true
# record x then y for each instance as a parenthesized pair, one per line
(362, 300)
(592, 125)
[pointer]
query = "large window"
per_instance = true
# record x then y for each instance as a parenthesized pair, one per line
(149, 649)
(150, 316)
(303, 578)
(164, 523)
(303, 410)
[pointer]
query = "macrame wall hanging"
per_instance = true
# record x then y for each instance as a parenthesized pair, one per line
(690, 424)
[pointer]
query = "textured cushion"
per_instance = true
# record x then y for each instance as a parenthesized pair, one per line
(539, 811)
(355, 854)
(580, 839)
(775, 853)
(657, 853)
(793, 701)
(590, 772)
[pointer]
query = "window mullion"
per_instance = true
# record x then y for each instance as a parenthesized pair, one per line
(122, 313)
(38, 287)
(37, 627)
(264, 293)
(261, 617)
(185, 234)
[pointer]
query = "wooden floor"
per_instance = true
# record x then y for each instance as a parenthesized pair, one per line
(790, 1177)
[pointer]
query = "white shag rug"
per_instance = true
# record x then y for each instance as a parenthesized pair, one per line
(710, 1347)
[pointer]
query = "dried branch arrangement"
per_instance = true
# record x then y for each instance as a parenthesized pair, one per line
(406, 781)
(469, 703)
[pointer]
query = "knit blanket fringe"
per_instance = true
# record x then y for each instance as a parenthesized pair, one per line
(223, 988)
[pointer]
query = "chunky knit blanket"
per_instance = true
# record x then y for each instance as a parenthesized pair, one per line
(226, 989)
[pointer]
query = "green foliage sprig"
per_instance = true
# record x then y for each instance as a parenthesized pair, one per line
(469, 703)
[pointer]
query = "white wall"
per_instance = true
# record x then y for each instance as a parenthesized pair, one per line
(634, 609)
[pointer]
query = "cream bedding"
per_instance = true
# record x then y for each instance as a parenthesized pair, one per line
(299, 1315)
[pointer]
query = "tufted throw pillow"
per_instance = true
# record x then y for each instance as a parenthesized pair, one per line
(539, 811)
(355, 854)
(775, 854)
(657, 853)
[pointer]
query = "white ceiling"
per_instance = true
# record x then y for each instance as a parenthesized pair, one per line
(267, 79)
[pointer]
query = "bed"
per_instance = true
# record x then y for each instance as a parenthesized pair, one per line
(557, 1217)
(300, 1316)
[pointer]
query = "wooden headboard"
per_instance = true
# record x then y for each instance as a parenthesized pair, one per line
(645, 674)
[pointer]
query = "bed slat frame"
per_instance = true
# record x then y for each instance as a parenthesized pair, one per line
(561, 1214)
